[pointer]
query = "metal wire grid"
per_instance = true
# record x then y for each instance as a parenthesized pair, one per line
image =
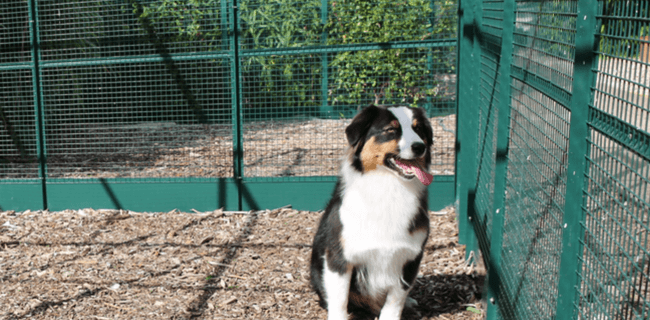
(281, 86)
(73, 29)
(15, 35)
(281, 24)
(282, 99)
(125, 118)
(615, 263)
(492, 22)
(18, 156)
(535, 188)
(283, 95)
(152, 119)
(487, 119)
(543, 40)
(623, 83)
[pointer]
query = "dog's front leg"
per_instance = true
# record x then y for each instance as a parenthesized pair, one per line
(337, 287)
(392, 309)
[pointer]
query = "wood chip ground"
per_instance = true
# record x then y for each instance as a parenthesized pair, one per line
(112, 264)
(168, 150)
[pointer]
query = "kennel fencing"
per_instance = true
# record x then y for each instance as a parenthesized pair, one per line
(156, 105)
(554, 155)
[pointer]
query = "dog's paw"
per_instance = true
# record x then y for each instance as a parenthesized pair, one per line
(410, 311)
(410, 303)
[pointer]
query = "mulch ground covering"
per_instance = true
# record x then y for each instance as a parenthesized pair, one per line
(115, 264)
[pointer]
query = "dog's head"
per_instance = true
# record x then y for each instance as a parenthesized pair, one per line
(397, 138)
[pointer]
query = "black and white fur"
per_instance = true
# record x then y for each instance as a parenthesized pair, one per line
(370, 240)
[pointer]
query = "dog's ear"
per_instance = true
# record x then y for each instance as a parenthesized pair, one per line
(360, 124)
(421, 115)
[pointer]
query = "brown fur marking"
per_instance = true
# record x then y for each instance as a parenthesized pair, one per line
(373, 153)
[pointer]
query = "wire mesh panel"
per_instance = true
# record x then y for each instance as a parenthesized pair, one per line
(282, 134)
(15, 36)
(535, 188)
(614, 279)
(623, 83)
(487, 119)
(615, 271)
(151, 119)
(18, 148)
(74, 29)
(118, 93)
(575, 230)
(537, 158)
(296, 103)
(18, 155)
(544, 37)
(136, 89)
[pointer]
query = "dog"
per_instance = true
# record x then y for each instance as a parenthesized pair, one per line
(370, 240)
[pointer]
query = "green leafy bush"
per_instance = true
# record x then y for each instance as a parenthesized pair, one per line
(385, 76)
(182, 23)
(280, 80)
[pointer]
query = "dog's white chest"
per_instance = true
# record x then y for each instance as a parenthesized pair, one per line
(376, 213)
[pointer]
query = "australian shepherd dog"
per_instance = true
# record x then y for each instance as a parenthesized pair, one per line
(370, 239)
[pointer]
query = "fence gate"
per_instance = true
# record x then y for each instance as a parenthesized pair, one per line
(155, 105)
(554, 155)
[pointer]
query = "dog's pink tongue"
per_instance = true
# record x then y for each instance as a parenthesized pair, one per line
(424, 177)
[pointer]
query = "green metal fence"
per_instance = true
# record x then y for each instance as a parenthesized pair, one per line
(156, 105)
(554, 155)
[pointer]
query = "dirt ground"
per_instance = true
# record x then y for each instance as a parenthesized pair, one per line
(111, 264)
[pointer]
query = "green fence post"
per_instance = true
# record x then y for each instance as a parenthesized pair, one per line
(428, 104)
(225, 36)
(501, 160)
(38, 102)
(573, 215)
(326, 110)
(236, 116)
(466, 136)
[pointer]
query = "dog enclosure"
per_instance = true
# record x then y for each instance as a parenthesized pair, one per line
(156, 105)
(554, 155)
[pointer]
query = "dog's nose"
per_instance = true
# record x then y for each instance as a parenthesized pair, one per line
(418, 149)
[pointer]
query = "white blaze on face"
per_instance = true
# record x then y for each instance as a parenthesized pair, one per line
(405, 117)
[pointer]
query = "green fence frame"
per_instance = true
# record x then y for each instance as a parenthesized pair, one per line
(554, 192)
(235, 191)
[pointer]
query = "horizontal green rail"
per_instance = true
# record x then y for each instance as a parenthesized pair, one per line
(243, 53)
(550, 89)
(132, 59)
(352, 47)
(15, 66)
(620, 131)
